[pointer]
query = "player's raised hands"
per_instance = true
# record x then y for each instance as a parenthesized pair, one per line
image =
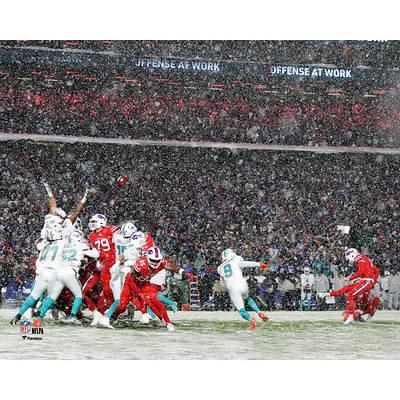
(84, 198)
(48, 190)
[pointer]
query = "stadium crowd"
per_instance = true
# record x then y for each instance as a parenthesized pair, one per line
(378, 54)
(234, 115)
(280, 207)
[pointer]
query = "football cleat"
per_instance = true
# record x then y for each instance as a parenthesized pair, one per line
(263, 316)
(72, 320)
(170, 327)
(105, 323)
(348, 318)
(144, 319)
(96, 318)
(253, 323)
(16, 319)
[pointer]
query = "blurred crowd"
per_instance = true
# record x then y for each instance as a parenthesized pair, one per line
(230, 116)
(279, 207)
(378, 54)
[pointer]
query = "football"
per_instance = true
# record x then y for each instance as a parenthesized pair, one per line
(122, 180)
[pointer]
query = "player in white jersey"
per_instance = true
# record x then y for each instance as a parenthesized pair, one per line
(127, 252)
(232, 279)
(74, 250)
(54, 227)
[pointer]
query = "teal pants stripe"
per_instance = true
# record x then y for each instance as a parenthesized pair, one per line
(246, 315)
(76, 305)
(112, 309)
(252, 304)
(47, 304)
(165, 300)
(151, 313)
(28, 303)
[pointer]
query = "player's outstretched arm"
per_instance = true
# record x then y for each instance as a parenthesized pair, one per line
(253, 264)
(52, 199)
(74, 215)
(181, 272)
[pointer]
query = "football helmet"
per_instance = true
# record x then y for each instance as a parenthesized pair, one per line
(307, 270)
(51, 220)
(227, 255)
(75, 236)
(128, 229)
(350, 255)
(78, 225)
(97, 221)
(54, 233)
(154, 257)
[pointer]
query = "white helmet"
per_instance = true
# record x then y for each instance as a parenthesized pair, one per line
(307, 270)
(51, 220)
(75, 236)
(227, 255)
(350, 255)
(154, 257)
(97, 221)
(78, 224)
(54, 233)
(128, 229)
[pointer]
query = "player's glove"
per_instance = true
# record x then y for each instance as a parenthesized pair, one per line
(264, 266)
(48, 190)
(84, 198)
(190, 277)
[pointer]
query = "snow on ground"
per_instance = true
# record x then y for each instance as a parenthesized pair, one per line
(213, 335)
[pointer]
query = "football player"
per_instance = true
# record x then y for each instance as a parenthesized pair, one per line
(232, 279)
(101, 238)
(139, 288)
(49, 251)
(74, 249)
(364, 279)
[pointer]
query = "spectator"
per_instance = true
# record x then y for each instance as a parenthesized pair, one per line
(321, 285)
(394, 290)
(385, 290)
(307, 287)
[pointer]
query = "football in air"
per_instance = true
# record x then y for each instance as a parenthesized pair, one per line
(122, 180)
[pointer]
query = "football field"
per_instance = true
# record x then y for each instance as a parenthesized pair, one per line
(212, 335)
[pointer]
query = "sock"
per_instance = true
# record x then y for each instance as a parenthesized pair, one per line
(47, 304)
(113, 307)
(76, 305)
(150, 312)
(252, 304)
(245, 314)
(28, 303)
(166, 301)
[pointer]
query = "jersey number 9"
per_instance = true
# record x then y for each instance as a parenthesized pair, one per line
(227, 271)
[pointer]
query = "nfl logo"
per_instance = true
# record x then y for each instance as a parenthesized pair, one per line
(25, 327)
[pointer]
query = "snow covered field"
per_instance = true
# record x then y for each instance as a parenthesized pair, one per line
(213, 335)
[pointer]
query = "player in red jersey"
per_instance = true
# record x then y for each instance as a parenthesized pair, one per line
(141, 291)
(365, 279)
(101, 237)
